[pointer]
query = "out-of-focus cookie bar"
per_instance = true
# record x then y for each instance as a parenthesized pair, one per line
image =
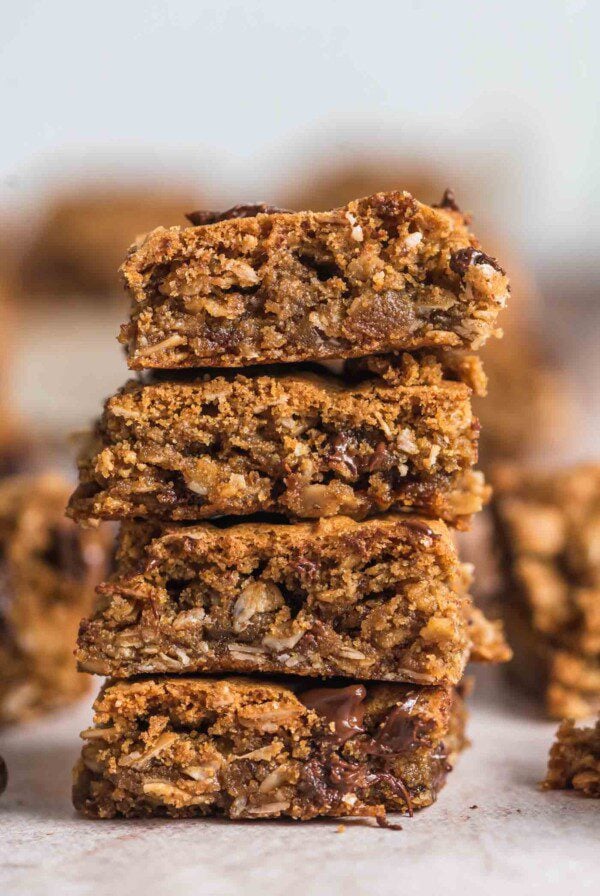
(49, 569)
(549, 528)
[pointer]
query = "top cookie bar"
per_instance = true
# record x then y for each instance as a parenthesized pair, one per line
(258, 285)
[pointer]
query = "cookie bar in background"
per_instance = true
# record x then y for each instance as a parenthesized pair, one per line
(574, 761)
(527, 409)
(383, 599)
(381, 274)
(49, 569)
(81, 238)
(240, 748)
(549, 531)
(305, 445)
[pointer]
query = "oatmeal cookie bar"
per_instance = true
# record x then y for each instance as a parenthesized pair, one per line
(382, 599)
(574, 761)
(49, 570)
(257, 285)
(304, 445)
(549, 528)
(240, 748)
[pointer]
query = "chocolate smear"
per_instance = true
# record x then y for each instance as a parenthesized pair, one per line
(200, 218)
(342, 707)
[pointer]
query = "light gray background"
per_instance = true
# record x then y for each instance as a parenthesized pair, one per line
(503, 95)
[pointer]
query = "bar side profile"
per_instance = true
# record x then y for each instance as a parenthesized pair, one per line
(244, 749)
(385, 273)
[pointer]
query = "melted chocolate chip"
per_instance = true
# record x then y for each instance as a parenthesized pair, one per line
(347, 777)
(341, 706)
(463, 259)
(381, 459)
(312, 783)
(448, 201)
(322, 783)
(344, 447)
(401, 731)
(200, 218)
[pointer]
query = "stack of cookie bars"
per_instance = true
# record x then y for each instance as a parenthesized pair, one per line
(305, 385)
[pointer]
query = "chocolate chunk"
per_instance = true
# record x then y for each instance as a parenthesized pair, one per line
(347, 777)
(448, 201)
(341, 706)
(381, 459)
(312, 783)
(201, 218)
(401, 731)
(3, 775)
(463, 259)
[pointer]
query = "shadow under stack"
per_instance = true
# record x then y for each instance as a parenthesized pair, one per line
(287, 469)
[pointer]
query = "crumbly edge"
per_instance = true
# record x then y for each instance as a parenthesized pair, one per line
(385, 599)
(244, 749)
(303, 446)
(384, 273)
(574, 761)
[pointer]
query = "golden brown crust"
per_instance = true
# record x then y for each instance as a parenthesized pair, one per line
(381, 599)
(382, 274)
(250, 749)
(304, 445)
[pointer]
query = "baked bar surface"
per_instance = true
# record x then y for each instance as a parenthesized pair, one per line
(549, 526)
(382, 599)
(574, 761)
(241, 748)
(49, 571)
(304, 445)
(257, 285)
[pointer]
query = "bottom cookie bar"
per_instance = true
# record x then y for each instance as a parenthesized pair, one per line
(574, 761)
(246, 748)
